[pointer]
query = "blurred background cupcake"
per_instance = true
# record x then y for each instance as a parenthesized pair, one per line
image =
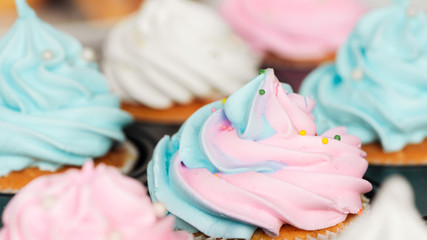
(293, 36)
(173, 57)
(378, 90)
(55, 107)
(94, 203)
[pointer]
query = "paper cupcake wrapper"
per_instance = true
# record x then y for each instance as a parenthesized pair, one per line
(328, 236)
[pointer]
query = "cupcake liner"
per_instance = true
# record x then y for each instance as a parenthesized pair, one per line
(328, 235)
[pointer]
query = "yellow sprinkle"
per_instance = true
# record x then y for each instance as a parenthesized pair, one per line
(325, 141)
(302, 132)
(216, 176)
(223, 100)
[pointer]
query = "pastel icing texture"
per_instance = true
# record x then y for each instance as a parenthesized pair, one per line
(256, 161)
(303, 29)
(171, 52)
(92, 203)
(55, 107)
(377, 87)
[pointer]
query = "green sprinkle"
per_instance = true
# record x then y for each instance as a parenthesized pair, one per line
(261, 71)
(261, 92)
(337, 137)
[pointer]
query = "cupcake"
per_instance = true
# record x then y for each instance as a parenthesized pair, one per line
(107, 9)
(94, 203)
(293, 36)
(255, 162)
(172, 58)
(392, 216)
(377, 87)
(55, 107)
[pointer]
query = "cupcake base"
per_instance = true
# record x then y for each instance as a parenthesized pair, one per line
(411, 155)
(103, 9)
(123, 156)
(174, 115)
(288, 232)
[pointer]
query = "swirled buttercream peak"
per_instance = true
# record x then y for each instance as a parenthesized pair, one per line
(55, 107)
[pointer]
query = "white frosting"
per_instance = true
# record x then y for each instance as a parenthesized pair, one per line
(393, 215)
(174, 51)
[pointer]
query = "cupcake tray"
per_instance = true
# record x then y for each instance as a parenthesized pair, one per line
(416, 175)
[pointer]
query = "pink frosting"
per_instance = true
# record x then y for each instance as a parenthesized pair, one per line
(300, 29)
(275, 170)
(95, 203)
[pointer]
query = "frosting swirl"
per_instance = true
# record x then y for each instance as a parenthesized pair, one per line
(173, 51)
(304, 29)
(95, 203)
(257, 162)
(377, 86)
(55, 107)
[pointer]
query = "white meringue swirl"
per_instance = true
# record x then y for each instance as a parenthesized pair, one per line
(174, 51)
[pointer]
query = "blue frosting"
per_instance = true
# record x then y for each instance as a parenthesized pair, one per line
(167, 188)
(378, 86)
(55, 107)
(164, 186)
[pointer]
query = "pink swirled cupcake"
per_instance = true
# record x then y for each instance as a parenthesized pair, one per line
(293, 35)
(94, 203)
(256, 162)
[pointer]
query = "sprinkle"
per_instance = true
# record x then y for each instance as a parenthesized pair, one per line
(213, 109)
(360, 212)
(261, 92)
(302, 132)
(160, 209)
(261, 71)
(223, 127)
(325, 141)
(357, 74)
(412, 11)
(337, 137)
(216, 176)
(224, 100)
(47, 55)
(89, 55)
(230, 128)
